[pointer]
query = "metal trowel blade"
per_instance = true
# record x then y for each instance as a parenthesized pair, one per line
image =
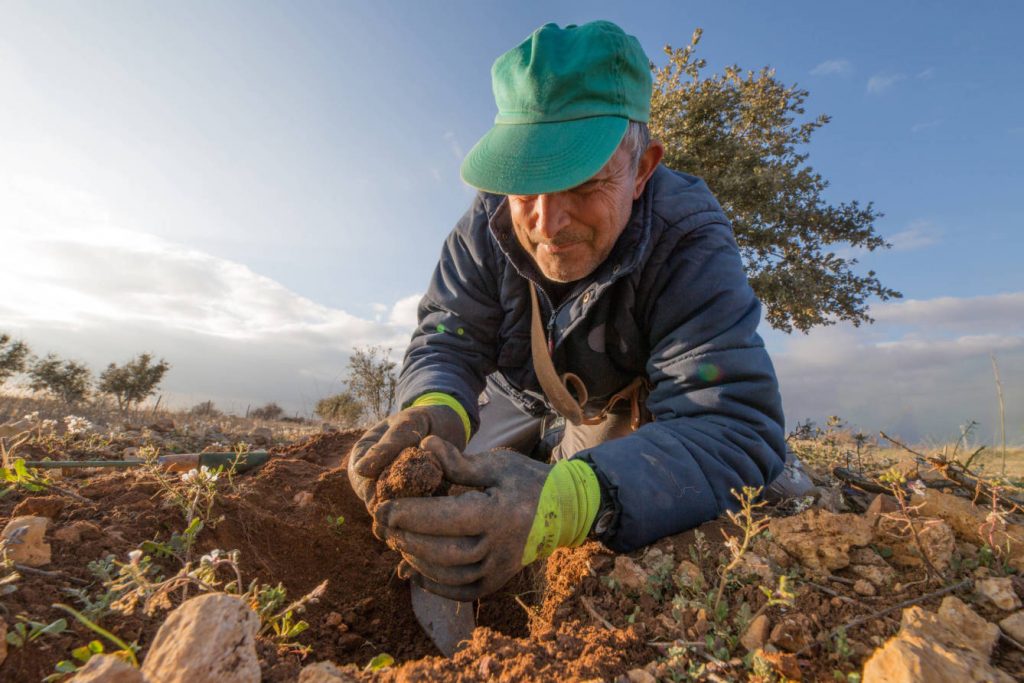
(447, 622)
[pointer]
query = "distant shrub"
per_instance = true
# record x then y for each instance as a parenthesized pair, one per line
(67, 380)
(134, 381)
(372, 380)
(270, 411)
(13, 357)
(205, 409)
(343, 408)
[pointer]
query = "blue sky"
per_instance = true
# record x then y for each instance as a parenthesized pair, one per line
(272, 181)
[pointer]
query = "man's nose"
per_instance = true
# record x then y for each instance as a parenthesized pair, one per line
(551, 215)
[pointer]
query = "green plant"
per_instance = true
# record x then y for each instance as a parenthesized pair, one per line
(751, 525)
(381, 661)
(19, 476)
(25, 630)
(270, 411)
(336, 523)
(343, 408)
(904, 520)
(125, 650)
(372, 380)
(13, 357)
(82, 654)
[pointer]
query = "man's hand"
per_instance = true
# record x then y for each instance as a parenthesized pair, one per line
(380, 445)
(463, 547)
(466, 546)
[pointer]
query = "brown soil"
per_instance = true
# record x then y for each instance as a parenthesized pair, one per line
(414, 473)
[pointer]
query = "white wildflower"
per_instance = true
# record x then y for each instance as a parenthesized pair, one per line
(76, 424)
(190, 476)
(917, 487)
(32, 417)
(134, 556)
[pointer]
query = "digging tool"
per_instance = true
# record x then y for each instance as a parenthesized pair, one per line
(174, 462)
(447, 622)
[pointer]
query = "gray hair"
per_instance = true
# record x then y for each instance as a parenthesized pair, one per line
(636, 140)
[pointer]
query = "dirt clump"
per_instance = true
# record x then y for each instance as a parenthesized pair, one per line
(415, 473)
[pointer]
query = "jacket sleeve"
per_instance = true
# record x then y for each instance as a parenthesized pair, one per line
(718, 422)
(453, 347)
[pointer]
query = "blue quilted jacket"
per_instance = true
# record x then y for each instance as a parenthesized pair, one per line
(671, 303)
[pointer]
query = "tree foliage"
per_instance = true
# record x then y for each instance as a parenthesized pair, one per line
(205, 409)
(739, 132)
(372, 380)
(67, 380)
(133, 382)
(270, 411)
(13, 357)
(343, 408)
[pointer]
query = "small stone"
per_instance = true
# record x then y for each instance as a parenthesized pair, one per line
(210, 637)
(486, 667)
(1014, 626)
(757, 632)
(108, 669)
(130, 453)
(981, 573)
(792, 634)
(40, 506)
(640, 676)
(883, 503)
(689, 574)
(333, 619)
(998, 591)
(26, 543)
(863, 587)
(327, 672)
(628, 574)
(754, 565)
(303, 498)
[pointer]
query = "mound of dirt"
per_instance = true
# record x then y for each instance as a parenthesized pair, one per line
(414, 473)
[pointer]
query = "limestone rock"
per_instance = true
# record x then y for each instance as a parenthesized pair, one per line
(690, 574)
(951, 646)
(210, 637)
(936, 538)
(998, 591)
(792, 634)
(108, 669)
(883, 503)
(26, 543)
(752, 564)
(821, 539)
(628, 574)
(969, 520)
(327, 672)
(756, 634)
(867, 564)
(1013, 625)
(640, 676)
(864, 587)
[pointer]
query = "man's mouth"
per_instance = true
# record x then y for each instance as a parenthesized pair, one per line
(559, 248)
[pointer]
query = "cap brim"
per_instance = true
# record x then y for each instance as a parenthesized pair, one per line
(539, 158)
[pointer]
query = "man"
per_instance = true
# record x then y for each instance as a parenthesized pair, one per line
(580, 255)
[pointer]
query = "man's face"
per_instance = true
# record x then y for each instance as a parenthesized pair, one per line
(570, 233)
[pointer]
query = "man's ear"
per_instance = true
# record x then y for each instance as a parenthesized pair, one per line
(648, 163)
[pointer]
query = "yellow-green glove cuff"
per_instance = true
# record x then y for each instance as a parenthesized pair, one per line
(436, 398)
(566, 510)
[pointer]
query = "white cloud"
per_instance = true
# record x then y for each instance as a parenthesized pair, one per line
(920, 371)
(453, 144)
(918, 235)
(879, 83)
(926, 73)
(832, 66)
(924, 126)
(77, 285)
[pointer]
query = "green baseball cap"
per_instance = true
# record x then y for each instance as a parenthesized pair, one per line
(565, 97)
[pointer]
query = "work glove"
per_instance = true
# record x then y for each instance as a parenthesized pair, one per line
(434, 414)
(467, 546)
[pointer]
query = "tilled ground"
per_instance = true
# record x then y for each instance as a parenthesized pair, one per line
(584, 615)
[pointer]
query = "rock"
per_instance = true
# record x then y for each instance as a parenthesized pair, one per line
(805, 536)
(262, 436)
(756, 634)
(210, 637)
(77, 531)
(640, 676)
(40, 506)
(108, 669)
(754, 565)
(792, 634)
(689, 574)
(865, 563)
(970, 522)
(1013, 625)
(998, 591)
(951, 646)
(864, 587)
(628, 574)
(883, 503)
(936, 537)
(327, 672)
(3, 640)
(26, 543)
(302, 498)
(130, 453)
(784, 664)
